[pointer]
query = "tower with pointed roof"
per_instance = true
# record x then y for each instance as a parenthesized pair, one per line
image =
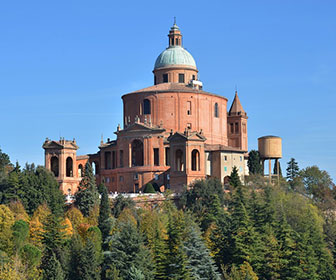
(237, 125)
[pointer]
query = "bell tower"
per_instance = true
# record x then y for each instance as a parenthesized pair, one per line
(60, 158)
(237, 125)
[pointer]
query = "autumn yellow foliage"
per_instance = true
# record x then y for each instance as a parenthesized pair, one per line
(75, 216)
(6, 222)
(19, 211)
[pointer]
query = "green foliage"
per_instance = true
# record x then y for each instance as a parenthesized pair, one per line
(126, 249)
(20, 234)
(104, 221)
(292, 172)
(33, 187)
(30, 255)
(199, 262)
(253, 162)
(149, 188)
(53, 269)
(234, 178)
(88, 264)
(120, 203)
(5, 163)
(87, 195)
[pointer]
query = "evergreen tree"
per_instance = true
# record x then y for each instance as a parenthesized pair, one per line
(135, 274)
(88, 265)
(253, 162)
(127, 249)
(120, 203)
(53, 239)
(199, 262)
(176, 261)
(149, 188)
(234, 177)
(87, 195)
(20, 234)
(275, 169)
(292, 171)
(53, 270)
(104, 222)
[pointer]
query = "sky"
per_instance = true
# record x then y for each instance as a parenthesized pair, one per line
(64, 66)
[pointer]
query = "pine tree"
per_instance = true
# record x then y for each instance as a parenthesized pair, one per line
(234, 177)
(292, 171)
(253, 162)
(87, 195)
(199, 262)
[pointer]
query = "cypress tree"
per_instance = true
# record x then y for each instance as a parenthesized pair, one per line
(104, 222)
(87, 195)
(292, 171)
(253, 162)
(234, 178)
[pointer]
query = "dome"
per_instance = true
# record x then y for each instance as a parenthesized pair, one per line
(174, 55)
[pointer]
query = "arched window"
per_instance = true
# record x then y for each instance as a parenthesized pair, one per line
(95, 167)
(69, 170)
(146, 107)
(137, 153)
(179, 164)
(54, 165)
(216, 111)
(80, 170)
(195, 160)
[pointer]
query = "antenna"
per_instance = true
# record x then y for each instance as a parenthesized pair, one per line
(174, 20)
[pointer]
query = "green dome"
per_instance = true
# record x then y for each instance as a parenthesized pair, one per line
(174, 55)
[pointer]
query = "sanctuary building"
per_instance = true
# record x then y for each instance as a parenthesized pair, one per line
(174, 132)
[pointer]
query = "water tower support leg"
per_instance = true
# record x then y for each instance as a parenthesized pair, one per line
(270, 170)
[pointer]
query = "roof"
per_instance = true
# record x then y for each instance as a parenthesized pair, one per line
(61, 144)
(174, 55)
(236, 107)
(187, 135)
(173, 87)
(218, 147)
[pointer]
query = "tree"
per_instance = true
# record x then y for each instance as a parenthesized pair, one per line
(149, 188)
(199, 261)
(253, 162)
(292, 171)
(87, 195)
(127, 249)
(104, 221)
(6, 224)
(88, 265)
(234, 177)
(120, 203)
(5, 163)
(53, 270)
(20, 234)
(275, 169)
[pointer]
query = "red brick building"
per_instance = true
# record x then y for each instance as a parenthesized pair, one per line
(174, 132)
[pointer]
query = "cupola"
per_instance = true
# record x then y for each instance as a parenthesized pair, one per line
(175, 64)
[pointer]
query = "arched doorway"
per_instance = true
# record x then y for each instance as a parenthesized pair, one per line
(69, 167)
(179, 164)
(137, 153)
(54, 165)
(195, 160)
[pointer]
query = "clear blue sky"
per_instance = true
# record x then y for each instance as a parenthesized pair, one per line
(65, 64)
